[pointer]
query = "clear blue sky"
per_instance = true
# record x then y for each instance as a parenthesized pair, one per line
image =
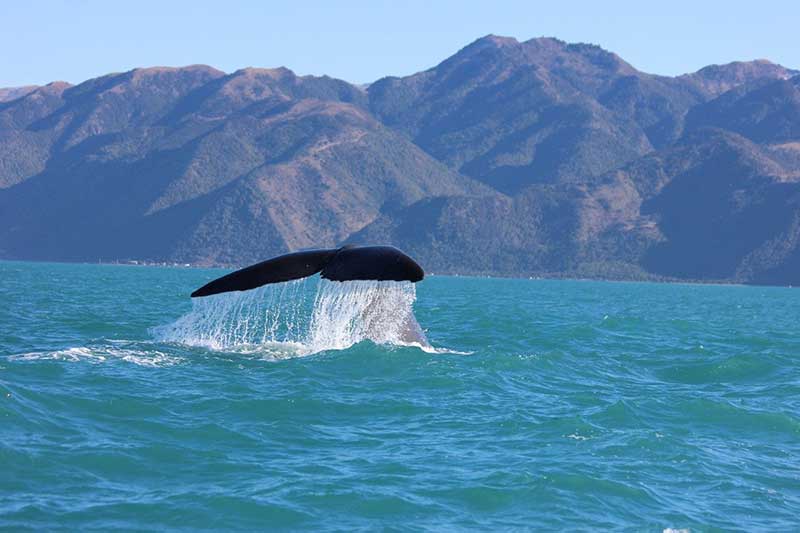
(361, 41)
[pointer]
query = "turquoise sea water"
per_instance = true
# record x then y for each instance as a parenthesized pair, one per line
(545, 404)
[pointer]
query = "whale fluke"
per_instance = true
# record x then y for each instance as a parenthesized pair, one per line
(349, 263)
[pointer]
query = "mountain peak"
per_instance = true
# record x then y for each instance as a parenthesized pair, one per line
(546, 42)
(275, 73)
(59, 84)
(717, 79)
(487, 43)
(495, 40)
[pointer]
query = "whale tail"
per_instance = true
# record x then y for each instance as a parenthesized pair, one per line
(349, 263)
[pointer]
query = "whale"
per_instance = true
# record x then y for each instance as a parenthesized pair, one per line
(347, 263)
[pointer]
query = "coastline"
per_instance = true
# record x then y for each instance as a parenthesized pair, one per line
(538, 276)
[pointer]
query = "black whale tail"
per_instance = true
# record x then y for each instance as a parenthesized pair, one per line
(349, 263)
(284, 268)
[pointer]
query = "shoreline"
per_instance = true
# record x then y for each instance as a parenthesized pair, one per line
(549, 276)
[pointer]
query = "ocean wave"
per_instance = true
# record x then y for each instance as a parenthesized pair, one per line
(101, 354)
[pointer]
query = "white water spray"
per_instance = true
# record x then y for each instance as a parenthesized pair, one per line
(294, 317)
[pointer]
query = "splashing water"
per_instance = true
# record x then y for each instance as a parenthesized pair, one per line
(349, 312)
(297, 318)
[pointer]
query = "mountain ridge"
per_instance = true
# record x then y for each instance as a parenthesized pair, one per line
(510, 157)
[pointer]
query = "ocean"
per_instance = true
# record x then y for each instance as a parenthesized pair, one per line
(529, 404)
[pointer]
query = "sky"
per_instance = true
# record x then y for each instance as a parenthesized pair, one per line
(361, 41)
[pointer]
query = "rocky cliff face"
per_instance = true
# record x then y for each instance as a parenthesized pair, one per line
(508, 158)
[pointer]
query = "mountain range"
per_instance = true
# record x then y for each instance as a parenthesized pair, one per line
(534, 158)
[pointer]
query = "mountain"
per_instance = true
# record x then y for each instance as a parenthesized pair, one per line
(727, 210)
(713, 207)
(525, 158)
(12, 93)
(627, 222)
(508, 113)
(714, 80)
(194, 165)
(545, 231)
(764, 112)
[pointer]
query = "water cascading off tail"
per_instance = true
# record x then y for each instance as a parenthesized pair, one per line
(305, 316)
